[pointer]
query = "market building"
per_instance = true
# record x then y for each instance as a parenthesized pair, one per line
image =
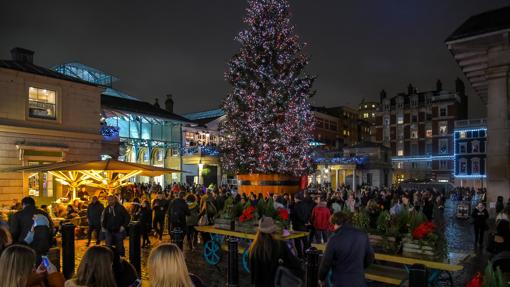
(470, 146)
(134, 130)
(481, 48)
(418, 129)
(45, 117)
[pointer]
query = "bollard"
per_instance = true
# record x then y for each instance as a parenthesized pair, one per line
(177, 237)
(418, 276)
(312, 267)
(134, 247)
(233, 267)
(67, 250)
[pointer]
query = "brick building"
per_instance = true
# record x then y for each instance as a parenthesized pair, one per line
(418, 129)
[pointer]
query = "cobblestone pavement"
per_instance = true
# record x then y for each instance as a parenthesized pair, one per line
(458, 231)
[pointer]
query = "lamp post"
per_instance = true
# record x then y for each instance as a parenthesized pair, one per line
(200, 166)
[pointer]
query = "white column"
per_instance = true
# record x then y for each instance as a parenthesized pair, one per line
(337, 173)
(354, 180)
(498, 125)
(343, 177)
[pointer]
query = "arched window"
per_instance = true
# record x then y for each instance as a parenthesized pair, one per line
(462, 166)
(475, 165)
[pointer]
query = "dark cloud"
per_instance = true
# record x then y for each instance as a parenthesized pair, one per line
(358, 47)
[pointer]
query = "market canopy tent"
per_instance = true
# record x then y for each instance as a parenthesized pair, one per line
(107, 174)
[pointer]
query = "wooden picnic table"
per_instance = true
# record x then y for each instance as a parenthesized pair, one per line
(250, 236)
(391, 275)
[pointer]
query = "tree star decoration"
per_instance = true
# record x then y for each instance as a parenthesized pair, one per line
(268, 123)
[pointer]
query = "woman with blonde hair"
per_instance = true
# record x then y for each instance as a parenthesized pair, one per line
(17, 269)
(167, 268)
(95, 269)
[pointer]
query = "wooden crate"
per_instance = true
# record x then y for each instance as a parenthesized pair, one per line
(417, 249)
(222, 223)
(383, 243)
(246, 227)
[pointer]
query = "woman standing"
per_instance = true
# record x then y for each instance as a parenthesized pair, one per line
(480, 216)
(146, 222)
(267, 253)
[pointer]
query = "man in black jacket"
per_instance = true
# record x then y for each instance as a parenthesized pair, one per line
(300, 217)
(22, 221)
(177, 213)
(94, 212)
(160, 207)
(114, 222)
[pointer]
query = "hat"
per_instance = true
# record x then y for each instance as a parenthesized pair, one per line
(266, 225)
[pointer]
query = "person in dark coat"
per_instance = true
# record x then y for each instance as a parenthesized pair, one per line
(22, 221)
(480, 216)
(266, 254)
(177, 213)
(94, 211)
(160, 207)
(348, 253)
(146, 222)
(115, 220)
(124, 272)
(300, 218)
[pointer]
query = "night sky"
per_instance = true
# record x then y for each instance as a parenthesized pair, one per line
(357, 47)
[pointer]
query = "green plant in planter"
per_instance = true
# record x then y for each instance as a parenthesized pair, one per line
(493, 278)
(361, 220)
(383, 222)
(228, 210)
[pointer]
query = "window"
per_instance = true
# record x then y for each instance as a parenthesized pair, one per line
(475, 146)
(319, 123)
(443, 146)
(386, 121)
(146, 155)
(474, 134)
(414, 134)
(333, 126)
(400, 152)
(414, 149)
(475, 165)
(42, 104)
(414, 118)
(462, 135)
(160, 155)
(373, 106)
(400, 118)
(428, 133)
(462, 166)
(443, 111)
(462, 147)
(414, 101)
(365, 115)
(443, 128)
(399, 164)
(443, 164)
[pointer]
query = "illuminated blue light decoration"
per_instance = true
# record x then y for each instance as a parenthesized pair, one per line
(358, 160)
(109, 131)
(468, 156)
(471, 176)
(422, 158)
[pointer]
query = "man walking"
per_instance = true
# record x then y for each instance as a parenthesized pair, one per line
(177, 213)
(160, 206)
(94, 212)
(348, 253)
(115, 219)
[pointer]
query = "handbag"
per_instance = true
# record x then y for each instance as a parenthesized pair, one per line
(285, 278)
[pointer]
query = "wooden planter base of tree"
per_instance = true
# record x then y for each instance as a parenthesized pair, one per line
(267, 183)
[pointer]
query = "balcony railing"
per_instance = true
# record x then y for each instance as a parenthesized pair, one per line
(200, 150)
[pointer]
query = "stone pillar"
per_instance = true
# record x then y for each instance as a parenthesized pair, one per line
(337, 178)
(343, 176)
(354, 183)
(498, 132)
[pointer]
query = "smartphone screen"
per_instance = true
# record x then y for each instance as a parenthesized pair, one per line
(45, 261)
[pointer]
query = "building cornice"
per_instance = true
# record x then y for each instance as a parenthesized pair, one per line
(48, 132)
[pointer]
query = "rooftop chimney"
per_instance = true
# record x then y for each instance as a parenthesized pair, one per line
(169, 103)
(22, 55)
(439, 86)
(156, 103)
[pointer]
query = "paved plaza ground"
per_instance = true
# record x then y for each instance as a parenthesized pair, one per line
(459, 233)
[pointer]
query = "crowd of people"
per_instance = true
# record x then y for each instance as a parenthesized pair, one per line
(321, 211)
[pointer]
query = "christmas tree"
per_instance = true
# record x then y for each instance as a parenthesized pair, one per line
(268, 123)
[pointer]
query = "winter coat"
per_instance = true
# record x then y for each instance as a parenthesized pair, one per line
(263, 272)
(177, 212)
(192, 218)
(146, 216)
(160, 207)
(480, 217)
(22, 221)
(320, 216)
(300, 216)
(348, 253)
(114, 217)
(94, 212)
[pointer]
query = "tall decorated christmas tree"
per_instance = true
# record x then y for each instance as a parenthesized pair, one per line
(268, 123)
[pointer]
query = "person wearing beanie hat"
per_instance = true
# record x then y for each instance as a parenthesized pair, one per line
(266, 253)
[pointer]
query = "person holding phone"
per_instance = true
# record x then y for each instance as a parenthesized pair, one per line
(18, 269)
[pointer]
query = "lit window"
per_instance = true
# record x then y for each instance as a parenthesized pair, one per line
(428, 133)
(443, 111)
(42, 104)
(400, 152)
(386, 121)
(366, 106)
(365, 115)
(414, 134)
(462, 135)
(443, 128)
(373, 106)
(373, 115)
(400, 119)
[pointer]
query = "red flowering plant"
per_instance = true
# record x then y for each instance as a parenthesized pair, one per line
(424, 230)
(248, 214)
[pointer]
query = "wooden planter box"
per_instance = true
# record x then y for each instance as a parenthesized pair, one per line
(386, 244)
(222, 223)
(419, 249)
(267, 183)
(246, 227)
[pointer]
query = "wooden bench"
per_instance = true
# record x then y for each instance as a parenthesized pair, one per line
(386, 274)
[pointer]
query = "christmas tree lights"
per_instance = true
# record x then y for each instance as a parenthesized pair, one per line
(268, 123)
